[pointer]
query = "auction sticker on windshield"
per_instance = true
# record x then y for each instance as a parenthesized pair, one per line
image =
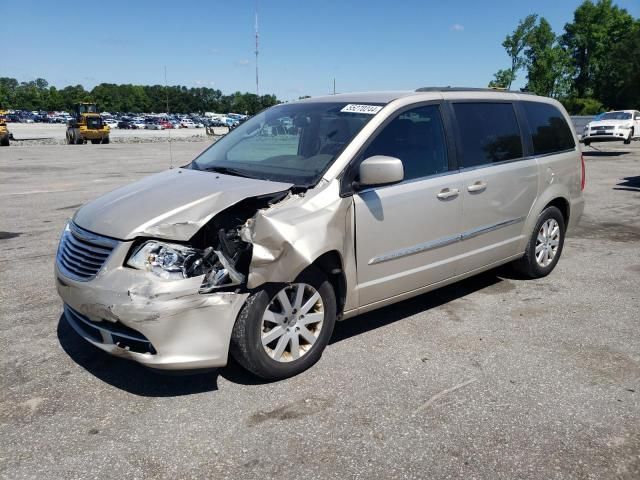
(354, 108)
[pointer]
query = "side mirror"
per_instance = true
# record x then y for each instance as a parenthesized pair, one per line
(380, 170)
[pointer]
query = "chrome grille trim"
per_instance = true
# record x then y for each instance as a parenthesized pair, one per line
(81, 254)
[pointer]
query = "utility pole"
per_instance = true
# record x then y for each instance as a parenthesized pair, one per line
(257, 83)
(334, 85)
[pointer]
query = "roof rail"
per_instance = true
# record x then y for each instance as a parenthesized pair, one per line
(466, 89)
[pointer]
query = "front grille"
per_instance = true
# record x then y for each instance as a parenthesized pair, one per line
(81, 254)
(608, 127)
(114, 333)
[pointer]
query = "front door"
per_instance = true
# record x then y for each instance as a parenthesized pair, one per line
(407, 234)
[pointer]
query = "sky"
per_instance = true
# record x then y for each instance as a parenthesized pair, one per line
(304, 44)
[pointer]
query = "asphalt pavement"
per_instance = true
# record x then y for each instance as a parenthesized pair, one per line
(492, 378)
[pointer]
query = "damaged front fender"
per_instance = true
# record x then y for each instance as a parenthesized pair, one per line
(292, 234)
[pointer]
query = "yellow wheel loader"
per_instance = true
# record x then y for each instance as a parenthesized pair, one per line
(86, 125)
(4, 132)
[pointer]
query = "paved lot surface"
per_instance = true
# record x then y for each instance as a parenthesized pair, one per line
(494, 378)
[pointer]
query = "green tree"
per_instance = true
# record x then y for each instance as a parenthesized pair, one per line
(547, 63)
(38, 95)
(590, 39)
(515, 44)
(502, 79)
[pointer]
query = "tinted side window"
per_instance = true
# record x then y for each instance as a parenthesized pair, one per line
(489, 133)
(549, 130)
(417, 138)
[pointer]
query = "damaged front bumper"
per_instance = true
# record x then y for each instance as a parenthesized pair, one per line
(164, 324)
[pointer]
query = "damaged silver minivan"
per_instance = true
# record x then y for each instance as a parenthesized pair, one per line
(316, 211)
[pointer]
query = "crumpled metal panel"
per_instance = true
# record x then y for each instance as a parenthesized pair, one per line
(188, 329)
(171, 205)
(291, 235)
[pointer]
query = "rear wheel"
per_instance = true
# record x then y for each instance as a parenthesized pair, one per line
(545, 245)
(283, 329)
(4, 142)
(105, 140)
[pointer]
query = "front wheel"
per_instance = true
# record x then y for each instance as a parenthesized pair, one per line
(283, 329)
(545, 245)
(629, 138)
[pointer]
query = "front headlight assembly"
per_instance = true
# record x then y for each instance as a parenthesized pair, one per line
(171, 261)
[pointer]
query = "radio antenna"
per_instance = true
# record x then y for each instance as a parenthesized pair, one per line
(166, 91)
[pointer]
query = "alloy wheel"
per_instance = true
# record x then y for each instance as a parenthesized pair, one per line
(292, 322)
(547, 242)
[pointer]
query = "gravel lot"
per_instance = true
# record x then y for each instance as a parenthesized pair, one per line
(495, 378)
(31, 134)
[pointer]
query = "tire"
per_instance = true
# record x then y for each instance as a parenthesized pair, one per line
(587, 143)
(4, 142)
(249, 330)
(529, 265)
(627, 140)
(79, 141)
(105, 140)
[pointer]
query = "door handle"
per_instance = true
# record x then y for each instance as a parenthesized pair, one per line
(448, 193)
(478, 186)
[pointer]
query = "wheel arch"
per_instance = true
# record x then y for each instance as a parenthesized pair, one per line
(558, 196)
(331, 264)
(561, 204)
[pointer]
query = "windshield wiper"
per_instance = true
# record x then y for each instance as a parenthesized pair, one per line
(229, 171)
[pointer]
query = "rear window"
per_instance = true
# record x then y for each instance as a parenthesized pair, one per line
(489, 133)
(549, 130)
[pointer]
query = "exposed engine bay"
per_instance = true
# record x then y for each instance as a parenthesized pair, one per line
(225, 257)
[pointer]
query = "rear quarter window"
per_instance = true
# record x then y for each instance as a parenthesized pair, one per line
(489, 133)
(549, 130)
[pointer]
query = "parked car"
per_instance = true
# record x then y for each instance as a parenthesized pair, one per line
(111, 123)
(138, 123)
(166, 124)
(187, 123)
(153, 125)
(259, 245)
(125, 124)
(622, 125)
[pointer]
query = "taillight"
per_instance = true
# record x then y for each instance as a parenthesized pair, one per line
(584, 175)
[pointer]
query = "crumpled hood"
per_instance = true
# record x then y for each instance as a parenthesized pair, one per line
(609, 123)
(173, 204)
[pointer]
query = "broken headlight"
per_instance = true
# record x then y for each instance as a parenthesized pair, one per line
(167, 260)
(176, 262)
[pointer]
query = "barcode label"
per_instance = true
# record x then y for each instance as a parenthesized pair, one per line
(368, 109)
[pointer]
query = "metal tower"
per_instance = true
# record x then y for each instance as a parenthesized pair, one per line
(257, 83)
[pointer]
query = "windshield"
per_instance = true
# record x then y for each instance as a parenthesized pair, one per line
(293, 143)
(616, 116)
